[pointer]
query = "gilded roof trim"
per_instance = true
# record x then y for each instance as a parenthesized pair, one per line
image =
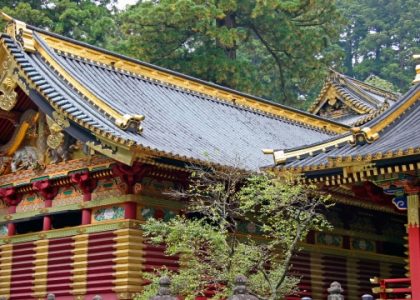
(335, 80)
(120, 120)
(100, 133)
(370, 134)
(281, 156)
(136, 67)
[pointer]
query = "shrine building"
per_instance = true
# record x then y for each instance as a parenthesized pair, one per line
(91, 140)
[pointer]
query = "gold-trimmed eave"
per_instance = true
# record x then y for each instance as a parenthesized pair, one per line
(280, 156)
(398, 112)
(122, 121)
(371, 116)
(20, 32)
(350, 160)
(106, 140)
(332, 90)
(348, 200)
(352, 172)
(125, 65)
(333, 81)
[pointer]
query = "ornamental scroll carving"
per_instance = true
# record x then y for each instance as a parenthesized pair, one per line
(60, 144)
(8, 96)
(56, 124)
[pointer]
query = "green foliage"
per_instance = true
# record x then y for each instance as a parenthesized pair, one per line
(275, 49)
(213, 249)
(84, 20)
(380, 38)
(381, 83)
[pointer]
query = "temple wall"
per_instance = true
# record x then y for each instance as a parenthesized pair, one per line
(107, 255)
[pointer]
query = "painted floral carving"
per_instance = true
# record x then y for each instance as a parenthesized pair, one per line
(109, 213)
(3, 230)
(158, 213)
(329, 239)
(362, 244)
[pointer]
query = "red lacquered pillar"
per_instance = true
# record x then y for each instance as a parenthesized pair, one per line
(86, 216)
(414, 243)
(12, 199)
(48, 191)
(47, 223)
(47, 219)
(86, 212)
(11, 229)
(87, 185)
(130, 209)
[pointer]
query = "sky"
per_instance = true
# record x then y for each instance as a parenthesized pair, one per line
(122, 3)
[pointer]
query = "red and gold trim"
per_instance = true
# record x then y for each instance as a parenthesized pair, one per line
(5, 269)
(41, 268)
(128, 262)
(80, 264)
(23, 267)
(414, 243)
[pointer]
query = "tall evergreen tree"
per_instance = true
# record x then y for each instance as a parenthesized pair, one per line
(85, 20)
(380, 38)
(276, 49)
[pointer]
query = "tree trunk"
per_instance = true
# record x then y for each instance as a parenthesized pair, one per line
(230, 22)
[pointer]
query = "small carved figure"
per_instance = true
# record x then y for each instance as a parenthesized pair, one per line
(25, 158)
(5, 165)
(62, 152)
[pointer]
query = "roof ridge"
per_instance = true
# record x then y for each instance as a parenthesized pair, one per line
(192, 92)
(356, 86)
(382, 92)
(370, 130)
(65, 44)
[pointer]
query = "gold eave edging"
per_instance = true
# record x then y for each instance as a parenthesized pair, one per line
(121, 120)
(113, 150)
(149, 72)
(109, 145)
(396, 114)
(281, 157)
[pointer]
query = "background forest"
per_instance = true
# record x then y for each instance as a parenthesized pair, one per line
(277, 49)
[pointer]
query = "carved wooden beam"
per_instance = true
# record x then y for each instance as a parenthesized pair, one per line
(12, 116)
(27, 119)
(130, 175)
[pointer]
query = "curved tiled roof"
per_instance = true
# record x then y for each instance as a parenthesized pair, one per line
(398, 130)
(179, 123)
(365, 100)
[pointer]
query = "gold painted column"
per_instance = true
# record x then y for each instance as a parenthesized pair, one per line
(128, 261)
(6, 253)
(414, 242)
(41, 269)
(80, 263)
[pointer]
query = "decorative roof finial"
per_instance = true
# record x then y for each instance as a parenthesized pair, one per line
(5, 17)
(18, 31)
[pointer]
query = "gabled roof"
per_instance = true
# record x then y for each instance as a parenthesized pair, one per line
(360, 102)
(125, 108)
(394, 134)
